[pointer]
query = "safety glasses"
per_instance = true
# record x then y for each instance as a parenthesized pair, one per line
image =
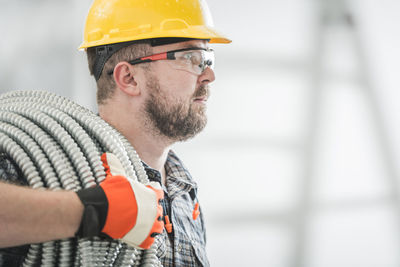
(194, 60)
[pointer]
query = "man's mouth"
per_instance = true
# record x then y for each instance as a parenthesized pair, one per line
(200, 99)
(202, 94)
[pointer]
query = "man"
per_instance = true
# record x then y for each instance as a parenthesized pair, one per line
(153, 67)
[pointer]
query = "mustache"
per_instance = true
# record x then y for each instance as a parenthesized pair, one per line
(204, 90)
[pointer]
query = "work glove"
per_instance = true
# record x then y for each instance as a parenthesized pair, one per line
(122, 209)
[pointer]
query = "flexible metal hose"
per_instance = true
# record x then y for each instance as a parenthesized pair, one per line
(57, 145)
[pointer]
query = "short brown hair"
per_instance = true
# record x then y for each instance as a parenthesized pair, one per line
(106, 83)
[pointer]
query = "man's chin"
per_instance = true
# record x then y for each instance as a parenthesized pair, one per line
(195, 131)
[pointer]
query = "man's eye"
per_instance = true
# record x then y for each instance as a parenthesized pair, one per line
(192, 58)
(188, 56)
(196, 59)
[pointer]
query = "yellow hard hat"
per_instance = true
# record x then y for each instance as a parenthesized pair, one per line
(115, 21)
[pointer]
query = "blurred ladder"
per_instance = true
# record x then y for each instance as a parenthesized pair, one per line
(333, 13)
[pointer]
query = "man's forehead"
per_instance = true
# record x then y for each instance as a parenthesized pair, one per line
(181, 45)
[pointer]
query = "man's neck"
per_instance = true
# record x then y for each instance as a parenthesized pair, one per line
(152, 149)
(152, 159)
(153, 152)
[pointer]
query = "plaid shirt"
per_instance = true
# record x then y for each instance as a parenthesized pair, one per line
(185, 246)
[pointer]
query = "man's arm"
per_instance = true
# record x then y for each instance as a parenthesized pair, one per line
(33, 216)
(118, 208)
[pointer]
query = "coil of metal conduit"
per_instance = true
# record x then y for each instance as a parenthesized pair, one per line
(57, 145)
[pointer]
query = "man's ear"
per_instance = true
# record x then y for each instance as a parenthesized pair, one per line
(124, 76)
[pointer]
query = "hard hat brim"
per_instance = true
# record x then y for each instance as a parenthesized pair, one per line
(193, 32)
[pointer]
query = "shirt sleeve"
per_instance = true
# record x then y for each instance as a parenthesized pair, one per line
(10, 172)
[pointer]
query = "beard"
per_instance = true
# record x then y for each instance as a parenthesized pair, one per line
(175, 118)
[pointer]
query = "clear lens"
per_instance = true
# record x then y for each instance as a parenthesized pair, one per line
(194, 61)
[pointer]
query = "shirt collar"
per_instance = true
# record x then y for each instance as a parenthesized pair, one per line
(178, 180)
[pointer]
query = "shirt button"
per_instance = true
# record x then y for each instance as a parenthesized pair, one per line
(179, 248)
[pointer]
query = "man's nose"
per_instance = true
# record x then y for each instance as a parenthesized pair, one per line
(208, 76)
